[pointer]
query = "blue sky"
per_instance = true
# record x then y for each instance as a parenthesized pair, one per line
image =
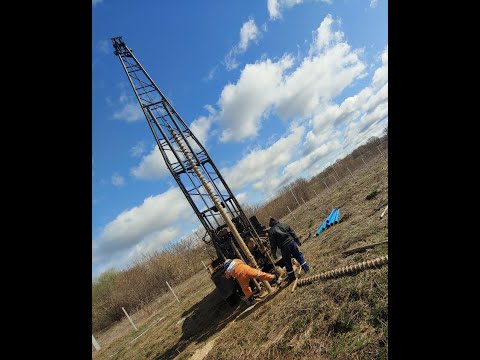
(275, 90)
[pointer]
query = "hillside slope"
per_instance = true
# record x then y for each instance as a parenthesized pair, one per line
(345, 318)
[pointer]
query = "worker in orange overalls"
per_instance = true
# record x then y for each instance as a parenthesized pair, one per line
(237, 269)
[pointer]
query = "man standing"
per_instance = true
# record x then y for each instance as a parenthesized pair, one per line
(283, 237)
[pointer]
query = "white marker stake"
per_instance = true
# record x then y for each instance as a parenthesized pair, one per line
(204, 265)
(95, 343)
(384, 211)
(336, 172)
(128, 317)
(349, 171)
(294, 196)
(325, 184)
(378, 148)
(291, 213)
(363, 160)
(172, 291)
(315, 192)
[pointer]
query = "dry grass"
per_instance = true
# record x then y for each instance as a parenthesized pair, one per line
(345, 318)
(145, 280)
(321, 184)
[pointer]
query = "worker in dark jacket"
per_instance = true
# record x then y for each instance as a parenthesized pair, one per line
(282, 236)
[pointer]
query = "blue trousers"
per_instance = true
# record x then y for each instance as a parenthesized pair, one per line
(291, 250)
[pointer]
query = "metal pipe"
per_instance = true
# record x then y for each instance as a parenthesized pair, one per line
(337, 216)
(322, 227)
(329, 218)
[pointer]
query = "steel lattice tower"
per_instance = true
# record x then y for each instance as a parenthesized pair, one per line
(180, 149)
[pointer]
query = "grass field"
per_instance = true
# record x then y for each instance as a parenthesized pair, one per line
(344, 318)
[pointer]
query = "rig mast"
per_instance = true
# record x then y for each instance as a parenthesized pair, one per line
(194, 171)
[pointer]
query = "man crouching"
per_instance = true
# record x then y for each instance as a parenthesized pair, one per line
(237, 269)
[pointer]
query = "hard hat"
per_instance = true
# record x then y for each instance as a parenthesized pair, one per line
(227, 263)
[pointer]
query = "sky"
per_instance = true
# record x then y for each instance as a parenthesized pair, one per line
(274, 89)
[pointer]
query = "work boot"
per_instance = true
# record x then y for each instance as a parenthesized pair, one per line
(306, 268)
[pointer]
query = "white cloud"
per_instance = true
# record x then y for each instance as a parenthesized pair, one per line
(231, 60)
(153, 242)
(333, 129)
(260, 164)
(138, 149)
(354, 137)
(381, 74)
(211, 73)
(243, 104)
(266, 86)
(103, 47)
(333, 115)
(364, 114)
(152, 166)
(373, 3)
(241, 197)
(325, 37)
(297, 167)
(274, 7)
(95, 2)
(125, 257)
(152, 223)
(130, 110)
(200, 127)
(117, 180)
(317, 80)
(303, 92)
(249, 32)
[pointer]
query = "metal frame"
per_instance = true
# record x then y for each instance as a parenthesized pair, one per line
(161, 116)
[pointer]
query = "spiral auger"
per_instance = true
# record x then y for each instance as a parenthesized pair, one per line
(346, 270)
(225, 216)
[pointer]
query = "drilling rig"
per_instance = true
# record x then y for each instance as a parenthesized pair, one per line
(232, 234)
